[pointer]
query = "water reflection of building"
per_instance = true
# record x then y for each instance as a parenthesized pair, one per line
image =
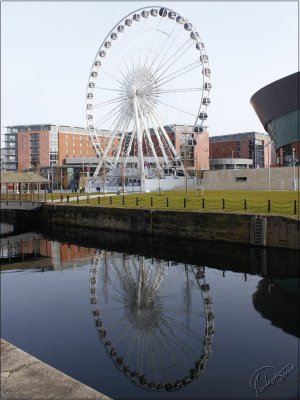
(155, 318)
(30, 250)
(278, 301)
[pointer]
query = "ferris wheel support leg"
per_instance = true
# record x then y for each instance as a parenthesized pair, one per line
(158, 138)
(108, 146)
(140, 147)
(147, 130)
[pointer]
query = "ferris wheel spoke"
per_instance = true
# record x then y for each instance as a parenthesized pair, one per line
(109, 89)
(168, 63)
(177, 108)
(169, 348)
(179, 90)
(178, 73)
(174, 339)
(163, 45)
(109, 102)
(153, 41)
(112, 77)
(115, 111)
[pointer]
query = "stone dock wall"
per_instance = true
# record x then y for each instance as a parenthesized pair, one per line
(279, 231)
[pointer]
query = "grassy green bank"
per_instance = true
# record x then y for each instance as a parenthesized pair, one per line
(258, 202)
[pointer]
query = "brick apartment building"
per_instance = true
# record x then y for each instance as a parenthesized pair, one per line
(241, 150)
(33, 146)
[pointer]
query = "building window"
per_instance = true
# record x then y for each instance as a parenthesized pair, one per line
(241, 179)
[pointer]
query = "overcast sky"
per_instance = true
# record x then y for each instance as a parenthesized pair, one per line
(47, 50)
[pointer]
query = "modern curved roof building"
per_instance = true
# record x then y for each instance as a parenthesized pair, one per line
(277, 107)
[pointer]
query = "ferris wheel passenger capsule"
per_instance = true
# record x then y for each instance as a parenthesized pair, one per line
(206, 71)
(120, 28)
(195, 35)
(206, 101)
(94, 74)
(91, 85)
(163, 12)
(128, 22)
(154, 12)
(188, 26)
(199, 45)
(89, 106)
(114, 36)
(192, 142)
(136, 17)
(204, 58)
(145, 14)
(203, 115)
(102, 53)
(107, 45)
(89, 117)
(91, 126)
(179, 19)
(171, 15)
(207, 86)
(97, 63)
(90, 95)
(198, 129)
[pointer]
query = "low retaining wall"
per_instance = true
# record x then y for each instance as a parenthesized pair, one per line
(280, 232)
(280, 178)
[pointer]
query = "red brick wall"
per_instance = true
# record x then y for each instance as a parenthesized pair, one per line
(79, 145)
(44, 148)
(23, 150)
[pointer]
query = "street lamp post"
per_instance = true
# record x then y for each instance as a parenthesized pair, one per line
(269, 170)
(294, 171)
(61, 179)
(52, 177)
(185, 172)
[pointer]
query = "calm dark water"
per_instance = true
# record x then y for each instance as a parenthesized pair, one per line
(137, 318)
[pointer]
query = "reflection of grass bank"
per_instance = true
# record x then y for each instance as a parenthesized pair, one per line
(270, 202)
(41, 262)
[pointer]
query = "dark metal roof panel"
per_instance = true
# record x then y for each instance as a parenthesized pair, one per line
(277, 98)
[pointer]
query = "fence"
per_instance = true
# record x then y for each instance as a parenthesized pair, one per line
(161, 202)
(32, 196)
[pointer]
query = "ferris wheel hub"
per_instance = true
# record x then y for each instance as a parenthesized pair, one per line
(131, 91)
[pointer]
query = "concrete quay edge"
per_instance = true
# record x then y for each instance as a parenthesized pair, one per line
(26, 377)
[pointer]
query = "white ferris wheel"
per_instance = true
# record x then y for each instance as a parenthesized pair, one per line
(150, 77)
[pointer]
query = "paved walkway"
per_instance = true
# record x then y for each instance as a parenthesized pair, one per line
(25, 377)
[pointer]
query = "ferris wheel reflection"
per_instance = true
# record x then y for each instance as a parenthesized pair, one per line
(154, 318)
